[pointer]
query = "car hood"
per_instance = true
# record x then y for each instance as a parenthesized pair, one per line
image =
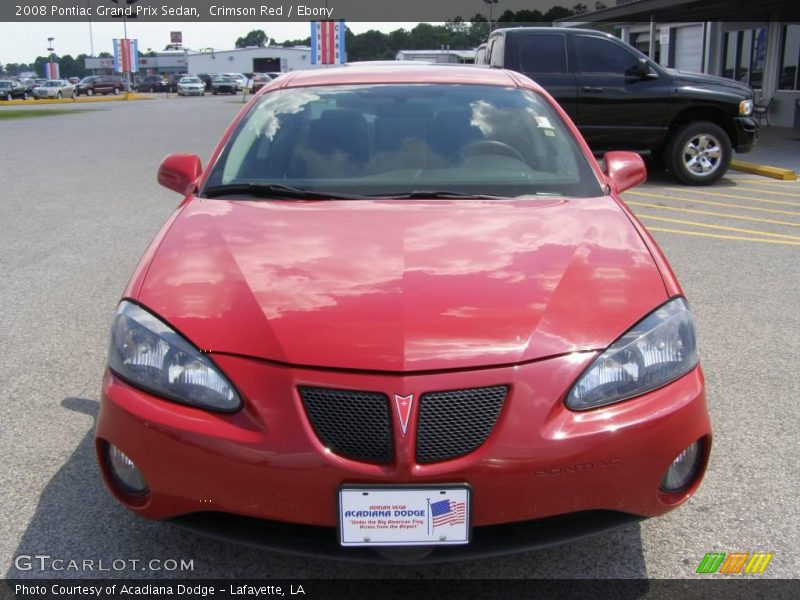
(729, 85)
(393, 285)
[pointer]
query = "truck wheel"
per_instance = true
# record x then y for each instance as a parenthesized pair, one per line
(699, 153)
(116, 91)
(90, 92)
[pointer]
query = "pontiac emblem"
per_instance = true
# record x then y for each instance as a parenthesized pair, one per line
(403, 404)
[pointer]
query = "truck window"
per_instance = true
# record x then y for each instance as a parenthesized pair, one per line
(596, 55)
(542, 54)
(497, 52)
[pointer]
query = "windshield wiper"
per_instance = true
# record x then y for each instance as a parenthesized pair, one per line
(436, 194)
(274, 190)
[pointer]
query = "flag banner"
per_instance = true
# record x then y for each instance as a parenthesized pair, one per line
(52, 71)
(328, 43)
(126, 56)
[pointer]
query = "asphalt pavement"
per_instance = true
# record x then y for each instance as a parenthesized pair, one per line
(79, 204)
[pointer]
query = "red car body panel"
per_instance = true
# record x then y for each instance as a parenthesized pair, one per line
(402, 285)
(266, 461)
(403, 297)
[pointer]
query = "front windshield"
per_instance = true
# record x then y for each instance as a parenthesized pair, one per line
(5, 84)
(190, 80)
(53, 84)
(396, 139)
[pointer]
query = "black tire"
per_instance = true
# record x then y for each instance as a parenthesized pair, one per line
(90, 92)
(116, 91)
(25, 96)
(8, 97)
(58, 96)
(699, 153)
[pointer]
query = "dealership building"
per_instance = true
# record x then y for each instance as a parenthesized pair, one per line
(240, 60)
(757, 43)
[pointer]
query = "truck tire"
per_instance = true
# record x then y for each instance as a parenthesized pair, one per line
(699, 153)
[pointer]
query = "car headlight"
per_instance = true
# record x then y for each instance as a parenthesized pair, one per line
(746, 108)
(149, 354)
(658, 349)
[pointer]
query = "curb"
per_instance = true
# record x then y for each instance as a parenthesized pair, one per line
(764, 170)
(80, 100)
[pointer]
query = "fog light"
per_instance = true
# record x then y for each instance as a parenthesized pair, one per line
(683, 469)
(125, 473)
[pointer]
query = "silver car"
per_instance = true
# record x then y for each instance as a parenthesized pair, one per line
(54, 88)
(191, 86)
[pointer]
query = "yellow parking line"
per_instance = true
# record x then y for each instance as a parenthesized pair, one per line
(723, 237)
(713, 203)
(747, 188)
(711, 213)
(777, 183)
(721, 227)
(727, 195)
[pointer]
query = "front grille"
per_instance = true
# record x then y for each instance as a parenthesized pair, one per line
(454, 423)
(352, 424)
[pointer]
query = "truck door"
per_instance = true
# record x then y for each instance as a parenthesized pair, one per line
(543, 58)
(617, 108)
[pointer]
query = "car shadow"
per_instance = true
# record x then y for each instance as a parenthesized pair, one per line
(78, 520)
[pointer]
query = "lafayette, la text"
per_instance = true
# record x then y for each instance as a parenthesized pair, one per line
(195, 591)
(289, 11)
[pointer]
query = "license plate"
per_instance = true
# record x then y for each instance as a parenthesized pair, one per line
(404, 516)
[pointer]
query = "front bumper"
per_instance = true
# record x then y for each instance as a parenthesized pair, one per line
(745, 134)
(541, 460)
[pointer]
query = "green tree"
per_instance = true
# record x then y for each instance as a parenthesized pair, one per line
(579, 9)
(256, 37)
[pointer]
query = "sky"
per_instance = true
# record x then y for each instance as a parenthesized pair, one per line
(23, 42)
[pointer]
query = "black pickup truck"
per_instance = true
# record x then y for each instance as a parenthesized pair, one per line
(622, 100)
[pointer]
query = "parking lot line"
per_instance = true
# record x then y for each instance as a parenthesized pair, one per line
(723, 236)
(768, 182)
(711, 213)
(714, 203)
(721, 227)
(746, 188)
(728, 194)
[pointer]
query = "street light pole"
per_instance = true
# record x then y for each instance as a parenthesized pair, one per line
(491, 4)
(52, 51)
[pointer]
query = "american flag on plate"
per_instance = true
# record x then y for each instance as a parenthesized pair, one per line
(448, 512)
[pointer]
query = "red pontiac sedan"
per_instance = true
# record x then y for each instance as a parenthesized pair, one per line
(402, 313)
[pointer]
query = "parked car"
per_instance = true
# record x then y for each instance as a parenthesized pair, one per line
(403, 295)
(206, 78)
(100, 84)
(222, 84)
(259, 80)
(620, 99)
(54, 88)
(152, 84)
(74, 80)
(172, 81)
(10, 90)
(191, 86)
(242, 82)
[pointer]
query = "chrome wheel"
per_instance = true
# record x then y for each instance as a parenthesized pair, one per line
(701, 155)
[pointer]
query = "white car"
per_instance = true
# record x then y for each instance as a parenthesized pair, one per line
(242, 82)
(191, 86)
(54, 88)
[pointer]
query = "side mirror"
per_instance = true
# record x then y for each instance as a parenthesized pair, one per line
(179, 172)
(625, 170)
(641, 70)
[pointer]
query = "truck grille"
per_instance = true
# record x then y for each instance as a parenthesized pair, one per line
(454, 423)
(352, 424)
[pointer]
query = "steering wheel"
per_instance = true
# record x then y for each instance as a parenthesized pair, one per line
(491, 147)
